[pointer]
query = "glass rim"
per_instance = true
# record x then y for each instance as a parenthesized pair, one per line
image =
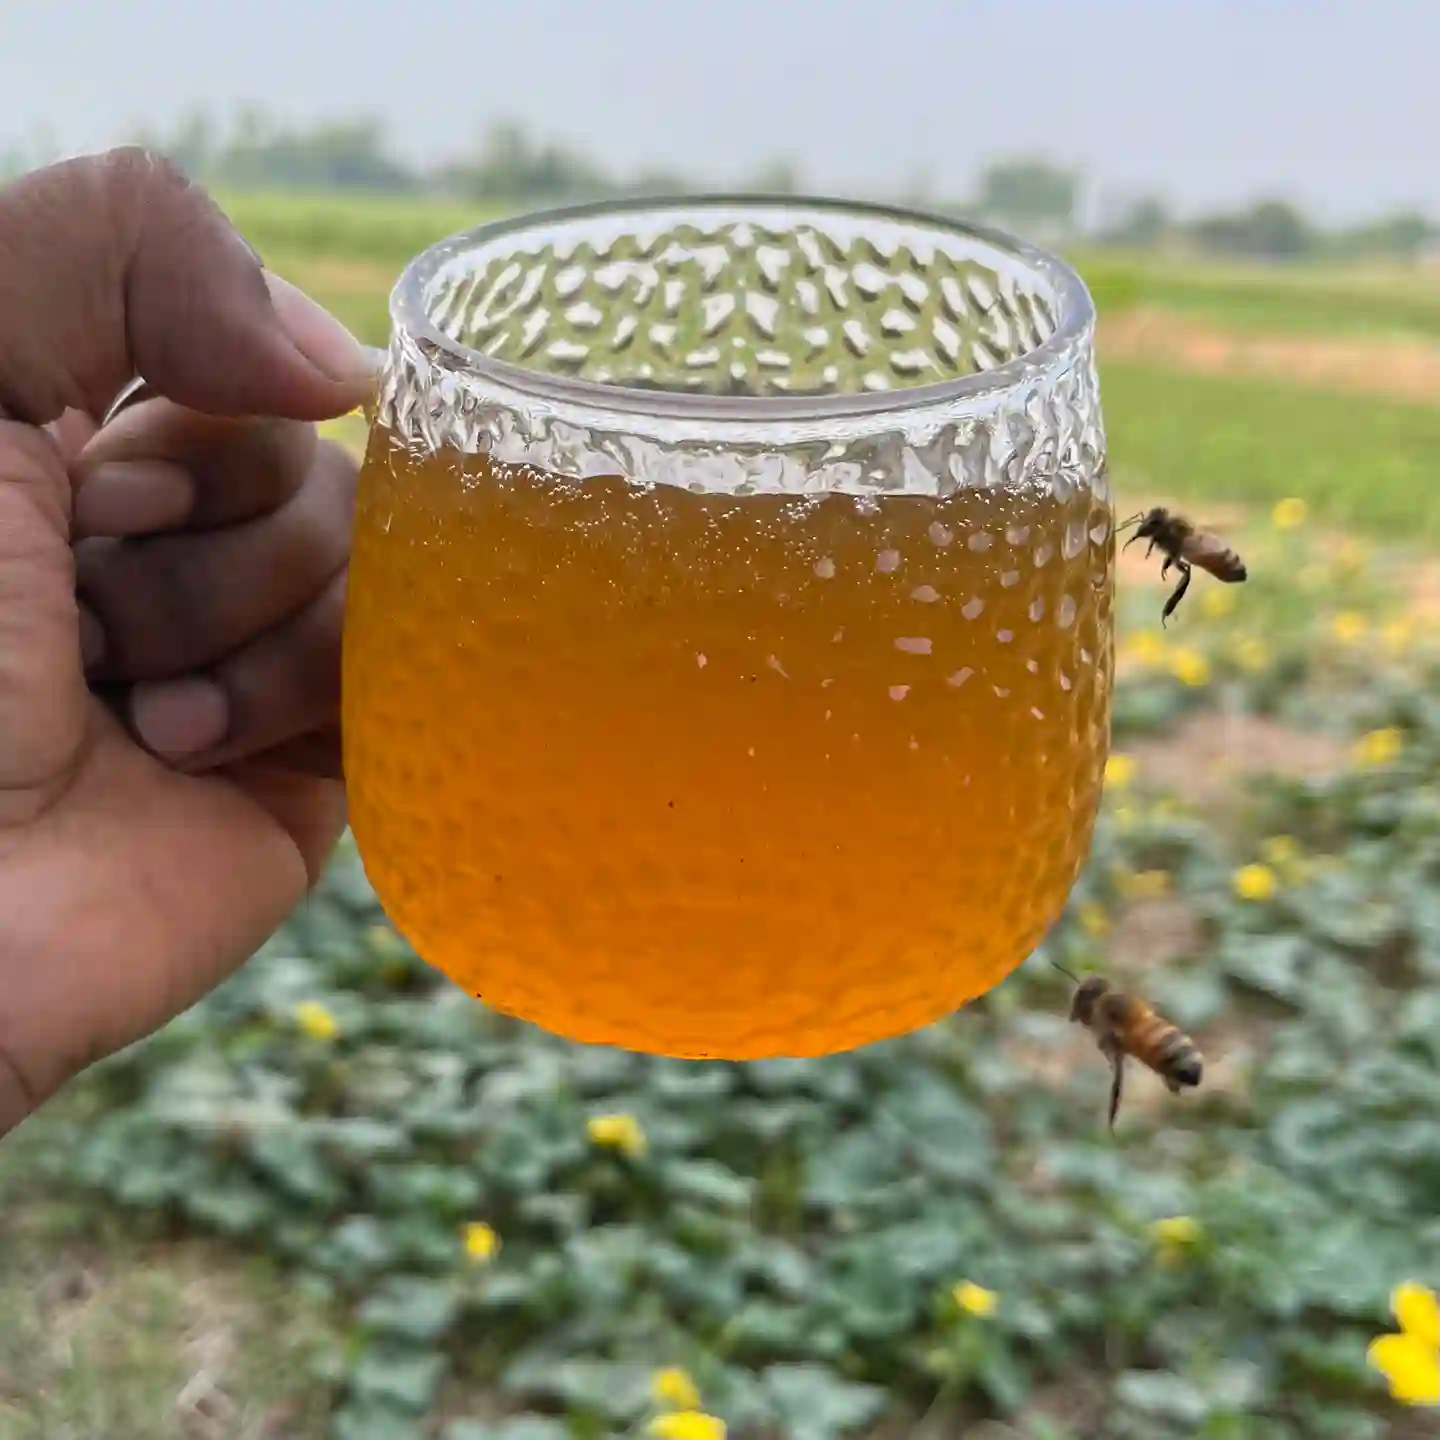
(410, 317)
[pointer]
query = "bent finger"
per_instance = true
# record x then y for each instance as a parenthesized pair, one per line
(283, 687)
(159, 466)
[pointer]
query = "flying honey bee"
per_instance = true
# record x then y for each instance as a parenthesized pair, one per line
(1124, 1025)
(1184, 545)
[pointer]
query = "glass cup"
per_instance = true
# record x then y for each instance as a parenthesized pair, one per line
(728, 650)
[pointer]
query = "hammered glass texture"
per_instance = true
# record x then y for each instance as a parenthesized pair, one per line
(741, 307)
(767, 301)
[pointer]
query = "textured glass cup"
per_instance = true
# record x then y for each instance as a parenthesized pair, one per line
(728, 650)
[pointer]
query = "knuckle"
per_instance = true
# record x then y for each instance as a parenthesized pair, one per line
(131, 167)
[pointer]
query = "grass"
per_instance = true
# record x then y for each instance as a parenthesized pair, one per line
(384, 230)
(107, 1333)
(1362, 464)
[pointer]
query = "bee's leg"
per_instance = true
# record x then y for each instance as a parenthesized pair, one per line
(1115, 1056)
(1165, 568)
(1117, 1065)
(1179, 592)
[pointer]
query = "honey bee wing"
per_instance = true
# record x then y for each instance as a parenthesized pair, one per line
(1207, 551)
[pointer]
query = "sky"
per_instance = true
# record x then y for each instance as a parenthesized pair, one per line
(1210, 103)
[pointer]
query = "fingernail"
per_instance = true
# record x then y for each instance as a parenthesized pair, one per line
(133, 497)
(92, 638)
(180, 718)
(317, 334)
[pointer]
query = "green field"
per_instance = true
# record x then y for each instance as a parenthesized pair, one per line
(266, 1226)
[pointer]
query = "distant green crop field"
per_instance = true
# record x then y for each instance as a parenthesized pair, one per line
(1361, 463)
(1298, 299)
(388, 230)
(385, 230)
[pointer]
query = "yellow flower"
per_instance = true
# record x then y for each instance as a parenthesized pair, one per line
(1216, 602)
(1281, 851)
(1144, 648)
(1255, 882)
(1349, 558)
(1143, 884)
(1289, 514)
(1251, 654)
(1173, 1237)
(482, 1244)
(1119, 771)
(382, 940)
(1349, 627)
(1379, 748)
(1190, 667)
(974, 1299)
(1398, 634)
(1177, 1230)
(316, 1021)
(617, 1132)
(1093, 919)
(1410, 1361)
(674, 1389)
(687, 1425)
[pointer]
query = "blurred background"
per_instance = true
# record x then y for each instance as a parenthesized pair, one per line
(339, 1198)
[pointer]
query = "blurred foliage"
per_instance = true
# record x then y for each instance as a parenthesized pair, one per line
(935, 1225)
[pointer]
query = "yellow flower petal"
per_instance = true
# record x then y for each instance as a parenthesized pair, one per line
(1398, 634)
(1349, 627)
(617, 1132)
(1411, 1367)
(1255, 882)
(1145, 648)
(1251, 654)
(687, 1425)
(1119, 771)
(316, 1021)
(1418, 1312)
(1216, 603)
(482, 1244)
(1176, 1230)
(1289, 514)
(1190, 667)
(1379, 748)
(674, 1388)
(974, 1299)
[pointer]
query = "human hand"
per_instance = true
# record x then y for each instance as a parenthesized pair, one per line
(171, 591)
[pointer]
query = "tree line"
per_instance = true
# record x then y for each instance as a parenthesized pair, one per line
(509, 163)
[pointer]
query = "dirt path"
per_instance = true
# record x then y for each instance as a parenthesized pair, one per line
(1390, 368)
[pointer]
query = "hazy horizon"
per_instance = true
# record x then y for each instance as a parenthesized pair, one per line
(1209, 105)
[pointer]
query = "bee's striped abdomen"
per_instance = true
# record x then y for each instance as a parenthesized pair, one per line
(1167, 1050)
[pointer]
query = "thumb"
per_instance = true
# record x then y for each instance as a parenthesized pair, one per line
(116, 265)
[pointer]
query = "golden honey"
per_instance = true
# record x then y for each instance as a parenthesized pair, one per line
(714, 775)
